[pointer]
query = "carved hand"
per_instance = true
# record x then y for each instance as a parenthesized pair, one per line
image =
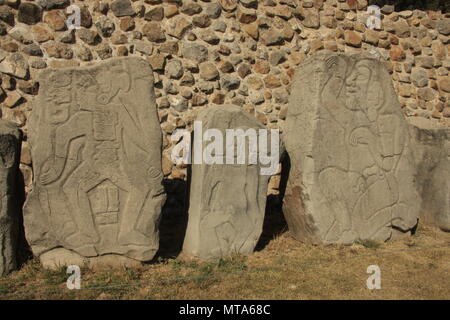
(360, 136)
(48, 173)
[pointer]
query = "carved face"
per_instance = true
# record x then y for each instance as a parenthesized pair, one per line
(357, 84)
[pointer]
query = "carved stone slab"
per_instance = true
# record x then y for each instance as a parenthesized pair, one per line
(10, 140)
(432, 156)
(352, 171)
(227, 202)
(96, 148)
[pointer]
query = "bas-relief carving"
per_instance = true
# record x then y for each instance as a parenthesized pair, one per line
(96, 147)
(227, 201)
(352, 159)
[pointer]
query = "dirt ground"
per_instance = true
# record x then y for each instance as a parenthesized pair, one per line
(282, 268)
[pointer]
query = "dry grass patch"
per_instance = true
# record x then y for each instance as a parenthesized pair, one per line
(414, 268)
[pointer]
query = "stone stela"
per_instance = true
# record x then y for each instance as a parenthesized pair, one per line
(355, 169)
(96, 147)
(352, 173)
(227, 202)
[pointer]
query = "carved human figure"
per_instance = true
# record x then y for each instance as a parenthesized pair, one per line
(227, 201)
(362, 152)
(103, 157)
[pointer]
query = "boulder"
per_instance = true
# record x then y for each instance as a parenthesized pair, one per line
(351, 168)
(432, 155)
(227, 201)
(10, 140)
(96, 148)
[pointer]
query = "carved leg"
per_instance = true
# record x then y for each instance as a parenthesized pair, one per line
(76, 188)
(128, 233)
(333, 185)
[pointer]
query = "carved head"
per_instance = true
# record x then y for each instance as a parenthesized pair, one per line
(364, 89)
(357, 83)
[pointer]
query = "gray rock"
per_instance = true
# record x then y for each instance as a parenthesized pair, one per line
(213, 10)
(432, 155)
(67, 37)
(443, 26)
(122, 8)
(10, 140)
(208, 71)
(191, 8)
(143, 47)
(88, 36)
(227, 201)
(105, 26)
(15, 65)
(193, 51)
(271, 37)
(22, 33)
(96, 152)
(219, 26)
(419, 78)
(174, 69)
(352, 171)
(180, 104)
(29, 13)
(276, 57)
(38, 63)
(33, 50)
(229, 82)
(249, 3)
(53, 4)
(7, 15)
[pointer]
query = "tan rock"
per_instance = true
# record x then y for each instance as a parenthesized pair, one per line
(353, 39)
(55, 19)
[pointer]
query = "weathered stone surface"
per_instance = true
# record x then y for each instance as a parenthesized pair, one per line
(29, 13)
(122, 8)
(227, 202)
(53, 4)
(15, 65)
(352, 172)
(10, 139)
(431, 144)
(96, 147)
(196, 52)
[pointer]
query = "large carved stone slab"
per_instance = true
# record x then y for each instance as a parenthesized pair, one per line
(10, 140)
(432, 155)
(96, 147)
(227, 202)
(352, 171)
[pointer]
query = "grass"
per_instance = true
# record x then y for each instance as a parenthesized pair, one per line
(369, 244)
(413, 268)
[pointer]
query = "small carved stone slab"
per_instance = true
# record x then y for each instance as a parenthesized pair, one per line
(352, 171)
(227, 201)
(96, 147)
(10, 140)
(432, 156)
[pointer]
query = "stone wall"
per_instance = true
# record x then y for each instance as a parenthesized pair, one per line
(220, 52)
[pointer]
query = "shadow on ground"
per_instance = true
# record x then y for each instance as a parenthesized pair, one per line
(175, 217)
